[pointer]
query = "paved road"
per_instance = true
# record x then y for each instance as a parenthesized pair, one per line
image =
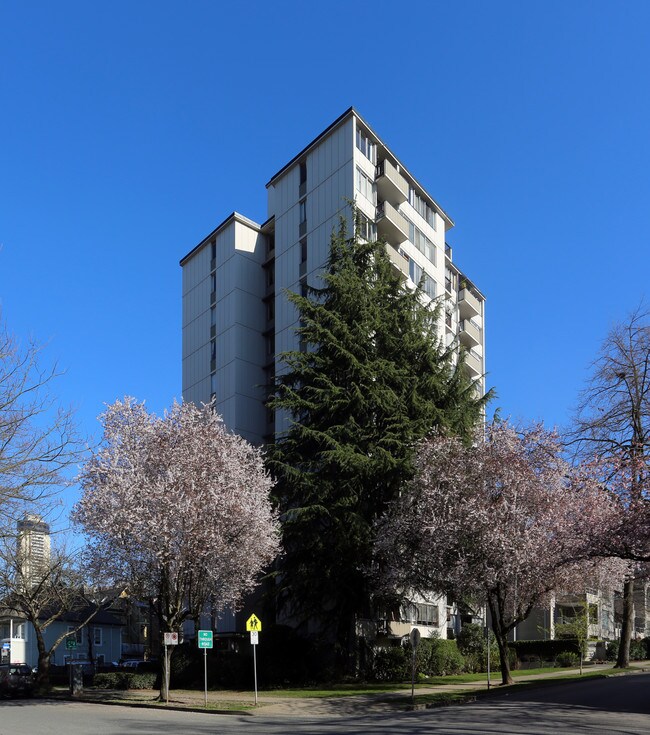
(618, 705)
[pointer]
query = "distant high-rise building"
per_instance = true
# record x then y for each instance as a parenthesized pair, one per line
(33, 547)
(236, 317)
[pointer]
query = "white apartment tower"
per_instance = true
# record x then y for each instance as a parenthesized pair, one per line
(236, 318)
(33, 547)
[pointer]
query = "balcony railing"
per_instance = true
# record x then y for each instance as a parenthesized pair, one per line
(468, 304)
(470, 333)
(398, 260)
(474, 363)
(391, 224)
(391, 184)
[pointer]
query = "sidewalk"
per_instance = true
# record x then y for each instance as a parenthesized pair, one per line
(235, 702)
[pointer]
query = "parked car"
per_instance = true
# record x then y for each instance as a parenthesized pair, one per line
(16, 679)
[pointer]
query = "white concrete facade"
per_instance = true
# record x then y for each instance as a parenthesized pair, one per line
(236, 317)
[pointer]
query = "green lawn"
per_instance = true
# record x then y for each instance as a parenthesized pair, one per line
(352, 689)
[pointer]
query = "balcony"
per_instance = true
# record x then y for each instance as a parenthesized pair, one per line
(391, 225)
(468, 304)
(398, 260)
(474, 364)
(391, 184)
(470, 334)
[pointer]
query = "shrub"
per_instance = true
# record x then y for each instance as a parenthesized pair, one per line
(286, 658)
(445, 658)
(567, 659)
(637, 650)
(646, 643)
(125, 680)
(422, 656)
(391, 663)
(547, 650)
(472, 643)
(471, 640)
(611, 652)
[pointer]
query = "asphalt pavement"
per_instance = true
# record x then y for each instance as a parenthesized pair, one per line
(612, 706)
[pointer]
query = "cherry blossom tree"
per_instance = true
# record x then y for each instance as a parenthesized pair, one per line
(178, 508)
(612, 421)
(504, 521)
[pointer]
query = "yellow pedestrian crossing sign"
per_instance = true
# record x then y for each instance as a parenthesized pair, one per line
(254, 623)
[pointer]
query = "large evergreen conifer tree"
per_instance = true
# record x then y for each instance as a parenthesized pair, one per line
(372, 378)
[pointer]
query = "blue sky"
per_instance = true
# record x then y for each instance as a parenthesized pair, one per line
(129, 130)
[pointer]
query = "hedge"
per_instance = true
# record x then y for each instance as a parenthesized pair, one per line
(125, 680)
(547, 650)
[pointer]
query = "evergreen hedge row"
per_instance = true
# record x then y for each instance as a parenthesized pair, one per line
(125, 680)
(547, 650)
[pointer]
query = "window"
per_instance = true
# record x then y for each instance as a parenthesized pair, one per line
(270, 276)
(302, 204)
(97, 636)
(366, 146)
(213, 384)
(270, 310)
(270, 344)
(19, 631)
(423, 279)
(78, 636)
(450, 281)
(213, 317)
(420, 613)
(366, 228)
(422, 208)
(303, 172)
(213, 249)
(303, 250)
(427, 614)
(422, 242)
(213, 349)
(366, 187)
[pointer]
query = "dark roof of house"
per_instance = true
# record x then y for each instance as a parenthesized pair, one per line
(77, 615)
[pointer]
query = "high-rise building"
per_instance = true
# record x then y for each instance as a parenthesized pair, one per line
(33, 547)
(236, 318)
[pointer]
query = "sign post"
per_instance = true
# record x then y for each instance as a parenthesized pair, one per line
(487, 636)
(169, 639)
(254, 627)
(70, 645)
(205, 641)
(414, 635)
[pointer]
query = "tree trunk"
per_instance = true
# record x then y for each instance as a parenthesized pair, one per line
(42, 683)
(166, 672)
(623, 659)
(502, 643)
(346, 644)
(504, 657)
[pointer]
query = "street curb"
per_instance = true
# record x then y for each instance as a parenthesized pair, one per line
(470, 696)
(145, 705)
